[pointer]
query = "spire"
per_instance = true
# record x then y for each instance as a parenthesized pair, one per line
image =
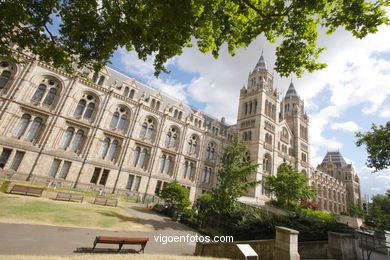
(261, 65)
(291, 92)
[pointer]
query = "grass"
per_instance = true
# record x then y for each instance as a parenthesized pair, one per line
(44, 211)
(106, 257)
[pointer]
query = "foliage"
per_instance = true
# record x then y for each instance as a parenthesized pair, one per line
(379, 212)
(321, 215)
(233, 175)
(308, 204)
(355, 210)
(377, 145)
(176, 195)
(289, 186)
(88, 32)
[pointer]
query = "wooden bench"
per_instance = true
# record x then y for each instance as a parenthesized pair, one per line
(121, 241)
(105, 201)
(66, 196)
(26, 190)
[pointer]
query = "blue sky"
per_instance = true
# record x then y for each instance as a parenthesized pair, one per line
(348, 96)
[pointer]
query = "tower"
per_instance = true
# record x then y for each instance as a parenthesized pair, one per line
(293, 112)
(257, 124)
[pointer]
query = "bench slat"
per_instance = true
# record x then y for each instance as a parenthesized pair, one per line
(26, 190)
(121, 241)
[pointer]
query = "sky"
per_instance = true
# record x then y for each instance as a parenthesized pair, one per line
(348, 96)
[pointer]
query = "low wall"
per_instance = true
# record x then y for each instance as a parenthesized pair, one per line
(313, 249)
(352, 221)
(264, 248)
(283, 247)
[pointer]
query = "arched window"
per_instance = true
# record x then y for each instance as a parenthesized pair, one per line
(114, 120)
(39, 93)
(144, 127)
(77, 140)
(267, 163)
(23, 124)
(122, 122)
(126, 91)
(89, 111)
(80, 107)
(189, 170)
(153, 103)
(142, 161)
(104, 148)
(4, 78)
(150, 131)
(185, 169)
(162, 163)
(192, 144)
(94, 77)
(210, 151)
(175, 113)
(112, 152)
(167, 165)
(246, 108)
(132, 92)
(158, 105)
(170, 140)
(49, 99)
(180, 115)
(34, 129)
(67, 137)
(136, 156)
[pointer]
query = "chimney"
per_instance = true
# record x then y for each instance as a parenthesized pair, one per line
(222, 119)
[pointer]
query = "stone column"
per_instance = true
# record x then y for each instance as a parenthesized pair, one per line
(286, 244)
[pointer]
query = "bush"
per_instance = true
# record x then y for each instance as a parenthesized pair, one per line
(318, 214)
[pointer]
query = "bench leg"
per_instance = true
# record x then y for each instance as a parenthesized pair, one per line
(142, 248)
(120, 246)
(94, 244)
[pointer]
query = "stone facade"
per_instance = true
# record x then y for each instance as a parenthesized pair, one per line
(109, 132)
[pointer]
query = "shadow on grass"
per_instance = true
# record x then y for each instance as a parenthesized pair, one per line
(88, 250)
(120, 217)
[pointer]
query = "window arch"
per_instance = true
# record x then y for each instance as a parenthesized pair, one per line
(113, 150)
(210, 151)
(267, 162)
(104, 147)
(175, 113)
(153, 103)
(132, 93)
(162, 163)
(137, 152)
(192, 144)
(158, 105)
(39, 93)
(171, 138)
(22, 126)
(4, 78)
(34, 129)
(148, 129)
(180, 115)
(101, 80)
(77, 140)
(86, 106)
(48, 90)
(67, 137)
(126, 91)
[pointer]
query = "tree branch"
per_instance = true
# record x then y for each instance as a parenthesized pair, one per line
(250, 5)
(50, 34)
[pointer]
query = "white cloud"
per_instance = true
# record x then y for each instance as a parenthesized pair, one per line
(171, 88)
(346, 126)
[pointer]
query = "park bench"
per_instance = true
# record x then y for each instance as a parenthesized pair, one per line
(121, 241)
(66, 196)
(26, 190)
(105, 201)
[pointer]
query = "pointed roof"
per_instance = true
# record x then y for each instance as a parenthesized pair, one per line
(335, 157)
(291, 92)
(261, 65)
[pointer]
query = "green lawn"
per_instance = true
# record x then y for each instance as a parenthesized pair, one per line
(32, 210)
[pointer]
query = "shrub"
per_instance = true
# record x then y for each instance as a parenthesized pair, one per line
(318, 214)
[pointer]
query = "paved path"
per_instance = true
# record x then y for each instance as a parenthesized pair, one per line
(39, 239)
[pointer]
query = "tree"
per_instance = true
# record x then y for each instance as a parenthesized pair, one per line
(355, 210)
(377, 145)
(88, 32)
(289, 186)
(233, 177)
(175, 194)
(379, 212)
